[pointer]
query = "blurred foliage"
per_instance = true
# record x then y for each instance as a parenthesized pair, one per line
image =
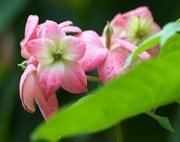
(16, 124)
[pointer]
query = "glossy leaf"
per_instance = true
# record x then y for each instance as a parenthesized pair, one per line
(171, 44)
(169, 30)
(149, 85)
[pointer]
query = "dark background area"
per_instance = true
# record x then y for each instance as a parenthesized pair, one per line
(15, 123)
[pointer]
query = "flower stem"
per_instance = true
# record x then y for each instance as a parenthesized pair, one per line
(118, 132)
(94, 79)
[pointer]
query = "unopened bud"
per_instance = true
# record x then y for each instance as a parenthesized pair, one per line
(108, 33)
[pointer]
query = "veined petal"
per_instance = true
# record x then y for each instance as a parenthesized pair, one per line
(130, 47)
(112, 65)
(42, 50)
(72, 47)
(52, 31)
(30, 33)
(140, 11)
(31, 24)
(50, 77)
(27, 88)
(47, 106)
(74, 79)
(95, 51)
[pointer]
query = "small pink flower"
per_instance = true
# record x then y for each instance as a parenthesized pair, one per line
(58, 55)
(52, 63)
(106, 53)
(135, 26)
(34, 31)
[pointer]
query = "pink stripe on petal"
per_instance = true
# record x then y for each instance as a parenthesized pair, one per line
(132, 48)
(95, 51)
(52, 31)
(27, 88)
(74, 79)
(50, 78)
(30, 32)
(48, 106)
(42, 50)
(31, 24)
(112, 65)
(72, 47)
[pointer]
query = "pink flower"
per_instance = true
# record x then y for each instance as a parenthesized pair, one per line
(34, 31)
(106, 53)
(135, 26)
(57, 55)
(52, 63)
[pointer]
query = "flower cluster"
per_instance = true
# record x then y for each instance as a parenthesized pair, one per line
(55, 58)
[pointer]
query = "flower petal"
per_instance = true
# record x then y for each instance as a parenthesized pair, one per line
(74, 79)
(71, 29)
(47, 106)
(140, 11)
(52, 31)
(112, 65)
(72, 47)
(50, 78)
(95, 51)
(27, 88)
(130, 47)
(30, 33)
(65, 24)
(42, 50)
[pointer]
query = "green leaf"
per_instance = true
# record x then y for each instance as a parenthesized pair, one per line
(168, 31)
(147, 44)
(163, 121)
(151, 84)
(172, 44)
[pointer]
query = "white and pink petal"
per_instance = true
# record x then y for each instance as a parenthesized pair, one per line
(72, 48)
(112, 65)
(27, 88)
(48, 106)
(74, 79)
(42, 50)
(51, 30)
(50, 78)
(95, 51)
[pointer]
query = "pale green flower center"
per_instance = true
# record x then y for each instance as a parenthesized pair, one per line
(139, 29)
(58, 55)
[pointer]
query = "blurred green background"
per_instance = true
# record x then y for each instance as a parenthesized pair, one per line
(15, 123)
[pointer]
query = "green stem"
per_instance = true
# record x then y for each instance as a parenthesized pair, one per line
(118, 132)
(151, 114)
(94, 79)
